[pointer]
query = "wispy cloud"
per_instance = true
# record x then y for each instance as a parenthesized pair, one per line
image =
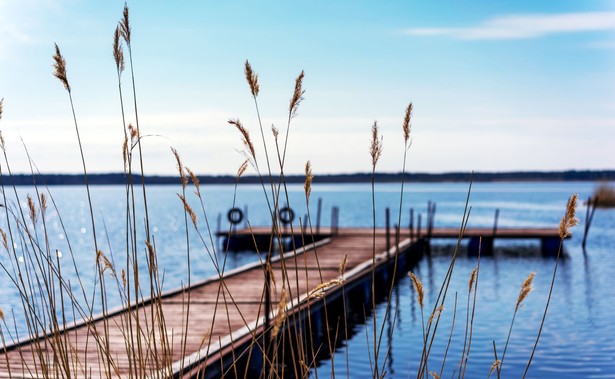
(525, 26)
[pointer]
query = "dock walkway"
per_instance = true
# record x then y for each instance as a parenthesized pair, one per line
(222, 315)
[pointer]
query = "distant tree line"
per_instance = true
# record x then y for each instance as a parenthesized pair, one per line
(119, 178)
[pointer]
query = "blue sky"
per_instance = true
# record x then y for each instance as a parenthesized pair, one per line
(496, 85)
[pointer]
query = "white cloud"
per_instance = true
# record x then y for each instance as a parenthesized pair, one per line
(526, 26)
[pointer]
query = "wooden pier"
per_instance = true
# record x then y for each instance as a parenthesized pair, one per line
(226, 316)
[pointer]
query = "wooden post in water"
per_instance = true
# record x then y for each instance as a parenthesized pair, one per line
(589, 216)
(418, 227)
(388, 230)
(411, 224)
(318, 210)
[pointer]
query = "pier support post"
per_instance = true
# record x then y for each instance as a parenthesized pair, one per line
(486, 246)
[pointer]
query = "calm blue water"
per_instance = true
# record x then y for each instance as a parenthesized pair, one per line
(578, 339)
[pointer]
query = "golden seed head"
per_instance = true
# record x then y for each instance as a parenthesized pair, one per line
(495, 365)
(308, 180)
(123, 274)
(195, 180)
(32, 209)
(2, 315)
(436, 313)
(188, 209)
(407, 126)
(134, 133)
(281, 314)
(4, 239)
(320, 290)
(118, 53)
(60, 68)
(252, 79)
(275, 132)
(526, 288)
(297, 95)
(180, 169)
(343, 265)
(242, 168)
(245, 137)
(418, 286)
(375, 149)
(152, 255)
(43, 202)
(569, 220)
(473, 276)
(125, 25)
(125, 152)
(434, 374)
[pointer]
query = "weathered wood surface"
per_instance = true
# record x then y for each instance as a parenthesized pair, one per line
(219, 312)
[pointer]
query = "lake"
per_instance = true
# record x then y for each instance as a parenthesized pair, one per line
(578, 338)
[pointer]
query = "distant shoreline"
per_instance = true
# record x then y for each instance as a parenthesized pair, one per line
(513, 176)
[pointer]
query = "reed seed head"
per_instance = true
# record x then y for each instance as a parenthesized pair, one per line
(297, 95)
(569, 220)
(125, 25)
(275, 131)
(60, 68)
(245, 137)
(407, 126)
(307, 186)
(180, 168)
(134, 133)
(436, 313)
(252, 79)
(125, 152)
(472, 280)
(188, 209)
(281, 314)
(2, 315)
(5, 242)
(118, 53)
(343, 265)
(103, 262)
(418, 286)
(375, 149)
(123, 275)
(195, 180)
(1, 107)
(32, 209)
(526, 288)
(152, 255)
(320, 290)
(495, 365)
(242, 168)
(434, 375)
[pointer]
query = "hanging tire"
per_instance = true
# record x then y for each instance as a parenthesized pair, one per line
(234, 216)
(287, 215)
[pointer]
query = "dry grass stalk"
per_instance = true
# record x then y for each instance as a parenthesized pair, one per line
(1, 110)
(569, 220)
(297, 95)
(281, 313)
(2, 315)
(418, 286)
(308, 180)
(245, 136)
(103, 262)
(526, 288)
(118, 53)
(252, 79)
(60, 68)
(375, 149)
(188, 209)
(406, 125)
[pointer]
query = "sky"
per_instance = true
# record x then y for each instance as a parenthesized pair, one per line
(496, 85)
